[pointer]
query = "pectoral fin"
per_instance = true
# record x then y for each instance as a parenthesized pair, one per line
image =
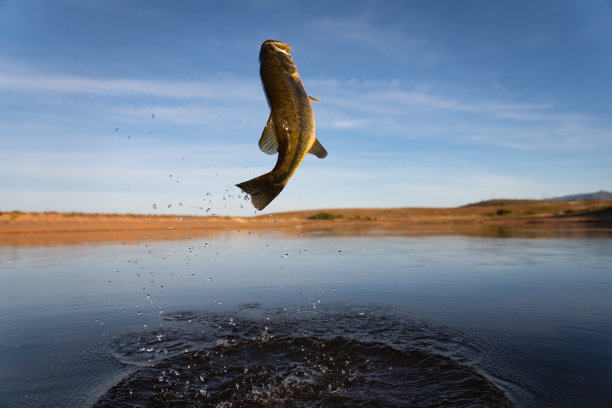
(268, 143)
(313, 99)
(318, 150)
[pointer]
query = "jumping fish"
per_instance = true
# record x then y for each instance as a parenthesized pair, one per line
(290, 130)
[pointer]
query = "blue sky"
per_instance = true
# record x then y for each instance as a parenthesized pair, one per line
(114, 106)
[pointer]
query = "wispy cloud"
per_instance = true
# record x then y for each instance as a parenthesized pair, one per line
(392, 108)
(392, 97)
(223, 103)
(379, 108)
(225, 89)
(393, 40)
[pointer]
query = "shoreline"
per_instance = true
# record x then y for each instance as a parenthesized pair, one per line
(482, 219)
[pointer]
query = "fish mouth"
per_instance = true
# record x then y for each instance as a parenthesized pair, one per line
(278, 45)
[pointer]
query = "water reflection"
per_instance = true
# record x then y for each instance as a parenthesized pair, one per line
(186, 232)
(529, 316)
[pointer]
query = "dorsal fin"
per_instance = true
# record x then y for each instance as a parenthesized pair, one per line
(268, 143)
(318, 150)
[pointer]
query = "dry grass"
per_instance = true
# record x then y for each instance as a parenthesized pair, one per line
(494, 210)
(52, 228)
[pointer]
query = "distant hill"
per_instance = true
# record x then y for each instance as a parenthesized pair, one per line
(600, 195)
(501, 202)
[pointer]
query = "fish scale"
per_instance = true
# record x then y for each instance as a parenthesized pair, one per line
(290, 130)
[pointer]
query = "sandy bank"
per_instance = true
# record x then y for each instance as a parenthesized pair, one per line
(484, 219)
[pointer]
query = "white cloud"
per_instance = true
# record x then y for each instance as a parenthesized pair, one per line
(220, 116)
(224, 89)
(392, 109)
(381, 108)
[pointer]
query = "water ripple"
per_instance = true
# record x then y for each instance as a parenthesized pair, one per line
(347, 356)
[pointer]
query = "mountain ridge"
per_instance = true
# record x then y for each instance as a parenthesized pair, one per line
(598, 195)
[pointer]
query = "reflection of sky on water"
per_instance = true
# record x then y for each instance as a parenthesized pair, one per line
(551, 296)
(569, 277)
(561, 279)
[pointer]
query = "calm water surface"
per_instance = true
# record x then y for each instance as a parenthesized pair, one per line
(288, 320)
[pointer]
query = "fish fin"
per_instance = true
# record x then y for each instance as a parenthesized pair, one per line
(262, 190)
(313, 99)
(268, 143)
(318, 150)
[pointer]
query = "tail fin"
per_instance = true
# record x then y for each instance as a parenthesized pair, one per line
(262, 190)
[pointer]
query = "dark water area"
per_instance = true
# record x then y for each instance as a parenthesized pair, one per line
(334, 356)
(239, 319)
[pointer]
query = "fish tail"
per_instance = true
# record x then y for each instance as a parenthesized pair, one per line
(262, 189)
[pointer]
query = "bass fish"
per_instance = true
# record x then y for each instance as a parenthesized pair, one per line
(290, 130)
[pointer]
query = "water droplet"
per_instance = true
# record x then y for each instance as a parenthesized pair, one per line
(209, 279)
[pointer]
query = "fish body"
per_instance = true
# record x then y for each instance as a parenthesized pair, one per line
(290, 130)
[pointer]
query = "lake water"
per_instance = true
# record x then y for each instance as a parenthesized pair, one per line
(239, 319)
